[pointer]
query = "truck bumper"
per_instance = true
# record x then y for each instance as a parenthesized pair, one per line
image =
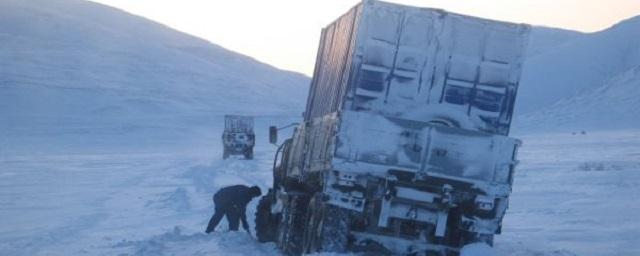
(410, 217)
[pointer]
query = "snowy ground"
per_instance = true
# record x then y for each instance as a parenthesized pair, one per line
(573, 195)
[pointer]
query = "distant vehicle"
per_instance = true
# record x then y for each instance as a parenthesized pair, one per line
(238, 137)
(404, 147)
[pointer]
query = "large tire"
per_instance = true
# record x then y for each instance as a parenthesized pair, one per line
(335, 229)
(225, 153)
(327, 228)
(291, 228)
(311, 232)
(248, 154)
(266, 223)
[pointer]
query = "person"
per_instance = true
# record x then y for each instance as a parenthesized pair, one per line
(232, 201)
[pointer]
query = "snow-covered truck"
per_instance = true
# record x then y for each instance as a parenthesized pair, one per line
(404, 148)
(238, 137)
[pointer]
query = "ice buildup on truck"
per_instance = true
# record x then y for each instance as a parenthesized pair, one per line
(404, 146)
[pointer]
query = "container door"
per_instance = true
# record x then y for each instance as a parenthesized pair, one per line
(415, 50)
(381, 34)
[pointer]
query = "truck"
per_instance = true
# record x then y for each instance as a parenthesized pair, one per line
(404, 146)
(238, 137)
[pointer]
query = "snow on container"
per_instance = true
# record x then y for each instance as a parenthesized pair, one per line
(421, 64)
(404, 148)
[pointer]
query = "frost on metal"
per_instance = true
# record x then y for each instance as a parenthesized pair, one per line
(405, 135)
(419, 63)
(422, 148)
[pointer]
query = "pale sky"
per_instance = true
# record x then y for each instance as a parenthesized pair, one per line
(285, 33)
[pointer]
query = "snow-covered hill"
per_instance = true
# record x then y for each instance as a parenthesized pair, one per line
(578, 65)
(71, 57)
(615, 105)
(544, 39)
(74, 72)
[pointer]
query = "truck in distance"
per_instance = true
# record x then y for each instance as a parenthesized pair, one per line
(238, 137)
(404, 148)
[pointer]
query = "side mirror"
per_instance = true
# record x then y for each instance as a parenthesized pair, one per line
(273, 134)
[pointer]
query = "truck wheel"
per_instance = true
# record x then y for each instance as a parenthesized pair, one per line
(248, 154)
(312, 232)
(225, 153)
(327, 227)
(266, 223)
(292, 226)
(335, 229)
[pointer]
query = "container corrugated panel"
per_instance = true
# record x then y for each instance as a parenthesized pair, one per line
(330, 79)
(420, 64)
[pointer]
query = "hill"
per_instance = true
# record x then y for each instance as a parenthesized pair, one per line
(578, 65)
(72, 68)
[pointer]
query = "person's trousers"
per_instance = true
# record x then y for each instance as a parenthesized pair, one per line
(233, 217)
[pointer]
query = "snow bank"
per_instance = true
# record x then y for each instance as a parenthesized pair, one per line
(176, 242)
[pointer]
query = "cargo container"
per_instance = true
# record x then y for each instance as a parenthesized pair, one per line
(404, 147)
(419, 63)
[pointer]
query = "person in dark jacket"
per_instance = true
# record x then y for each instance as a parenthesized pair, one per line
(232, 201)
